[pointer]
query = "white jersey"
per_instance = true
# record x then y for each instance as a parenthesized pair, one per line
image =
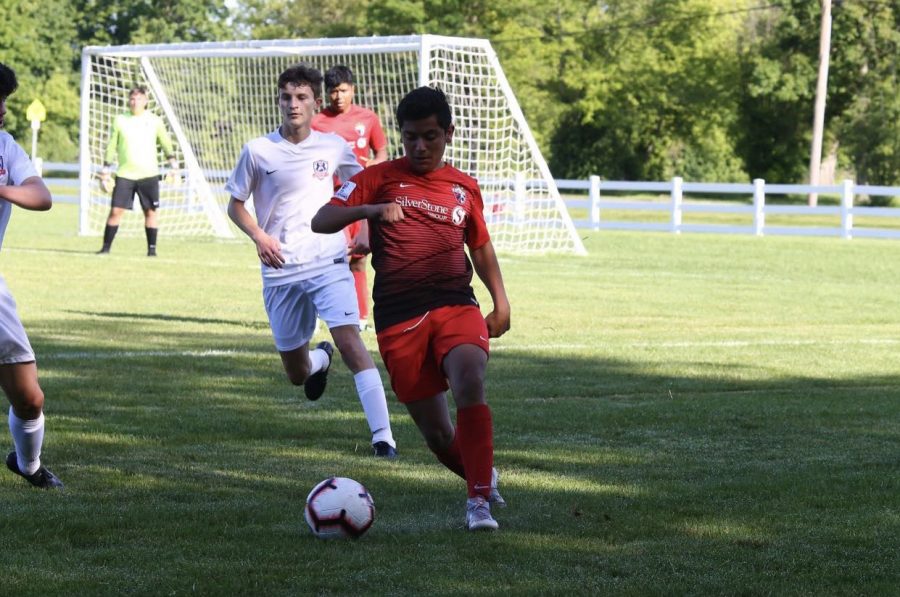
(289, 183)
(15, 168)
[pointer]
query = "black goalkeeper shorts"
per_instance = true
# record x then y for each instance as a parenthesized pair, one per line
(147, 190)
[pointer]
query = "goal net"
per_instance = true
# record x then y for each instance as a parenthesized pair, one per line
(216, 96)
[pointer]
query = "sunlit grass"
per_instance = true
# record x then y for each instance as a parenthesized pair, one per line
(693, 414)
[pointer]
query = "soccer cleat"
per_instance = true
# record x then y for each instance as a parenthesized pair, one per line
(314, 386)
(384, 450)
(40, 478)
(495, 498)
(151, 252)
(478, 515)
(103, 251)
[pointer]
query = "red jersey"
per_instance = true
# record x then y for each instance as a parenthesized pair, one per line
(420, 262)
(358, 126)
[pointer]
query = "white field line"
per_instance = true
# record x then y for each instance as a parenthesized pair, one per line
(496, 346)
(139, 354)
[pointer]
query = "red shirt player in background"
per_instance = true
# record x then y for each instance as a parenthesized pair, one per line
(361, 128)
(422, 213)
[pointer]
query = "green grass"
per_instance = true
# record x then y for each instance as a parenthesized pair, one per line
(674, 414)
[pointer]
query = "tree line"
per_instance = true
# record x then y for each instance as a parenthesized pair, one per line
(711, 90)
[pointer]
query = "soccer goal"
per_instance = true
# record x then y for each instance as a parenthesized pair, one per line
(215, 96)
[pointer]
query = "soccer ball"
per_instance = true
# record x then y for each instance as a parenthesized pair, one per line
(339, 507)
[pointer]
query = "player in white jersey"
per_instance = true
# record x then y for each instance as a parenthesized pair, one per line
(289, 174)
(20, 185)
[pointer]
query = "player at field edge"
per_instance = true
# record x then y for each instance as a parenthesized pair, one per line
(361, 128)
(133, 145)
(289, 173)
(21, 185)
(422, 213)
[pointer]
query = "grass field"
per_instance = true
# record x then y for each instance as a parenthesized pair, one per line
(692, 414)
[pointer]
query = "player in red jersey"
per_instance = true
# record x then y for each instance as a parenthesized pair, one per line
(422, 213)
(361, 128)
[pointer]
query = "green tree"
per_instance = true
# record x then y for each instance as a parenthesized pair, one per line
(42, 57)
(651, 93)
(121, 22)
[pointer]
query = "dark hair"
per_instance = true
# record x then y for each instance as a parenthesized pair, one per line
(424, 102)
(8, 81)
(301, 74)
(338, 75)
(137, 89)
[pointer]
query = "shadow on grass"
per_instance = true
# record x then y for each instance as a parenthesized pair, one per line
(618, 479)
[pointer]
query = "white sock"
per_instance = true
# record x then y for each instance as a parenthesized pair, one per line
(318, 360)
(27, 437)
(374, 403)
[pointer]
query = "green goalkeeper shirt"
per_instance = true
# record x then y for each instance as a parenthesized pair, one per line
(132, 144)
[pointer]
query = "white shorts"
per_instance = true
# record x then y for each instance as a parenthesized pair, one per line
(14, 344)
(293, 308)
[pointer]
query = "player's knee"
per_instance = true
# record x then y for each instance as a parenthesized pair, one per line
(28, 404)
(354, 353)
(438, 440)
(468, 387)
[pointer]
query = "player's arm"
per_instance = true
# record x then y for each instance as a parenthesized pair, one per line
(32, 194)
(484, 259)
(165, 142)
(378, 142)
(111, 157)
(268, 248)
(332, 218)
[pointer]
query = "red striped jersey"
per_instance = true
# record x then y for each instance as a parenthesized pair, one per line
(420, 262)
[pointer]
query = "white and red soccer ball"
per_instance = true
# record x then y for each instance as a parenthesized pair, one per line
(339, 507)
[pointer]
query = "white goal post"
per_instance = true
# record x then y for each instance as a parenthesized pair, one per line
(215, 96)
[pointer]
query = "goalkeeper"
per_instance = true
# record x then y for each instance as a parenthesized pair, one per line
(133, 145)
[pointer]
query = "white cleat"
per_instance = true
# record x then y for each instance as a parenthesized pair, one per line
(478, 515)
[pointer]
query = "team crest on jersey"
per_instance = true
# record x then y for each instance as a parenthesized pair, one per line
(459, 193)
(360, 129)
(320, 169)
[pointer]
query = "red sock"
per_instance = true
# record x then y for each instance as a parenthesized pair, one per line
(476, 444)
(362, 293)
(451, 458)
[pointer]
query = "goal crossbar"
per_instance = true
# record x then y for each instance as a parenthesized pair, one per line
(215, 96)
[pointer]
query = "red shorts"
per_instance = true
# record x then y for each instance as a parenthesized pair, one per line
(350, 233)
(414, 350)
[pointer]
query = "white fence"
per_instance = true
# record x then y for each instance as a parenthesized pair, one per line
(676, 206)
(759, 210)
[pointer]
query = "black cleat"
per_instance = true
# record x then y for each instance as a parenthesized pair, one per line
(314, 386)
(41, 478)
(384, 450)
(151, 252)
(103, 251)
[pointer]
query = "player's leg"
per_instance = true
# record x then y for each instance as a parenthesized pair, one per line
(333, 294)
(19, 381)
(292, 318)
(432, 417)
(122, 199)
(148, 193)
(461, 337)
(361, 283)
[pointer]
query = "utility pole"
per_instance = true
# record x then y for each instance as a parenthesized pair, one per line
(815, 157)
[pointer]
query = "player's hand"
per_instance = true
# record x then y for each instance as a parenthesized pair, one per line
(269, 251)
(359, 246)
(497, 322)
(106, 180)
(387, 212)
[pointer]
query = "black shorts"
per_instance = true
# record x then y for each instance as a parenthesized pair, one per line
(147, 190)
